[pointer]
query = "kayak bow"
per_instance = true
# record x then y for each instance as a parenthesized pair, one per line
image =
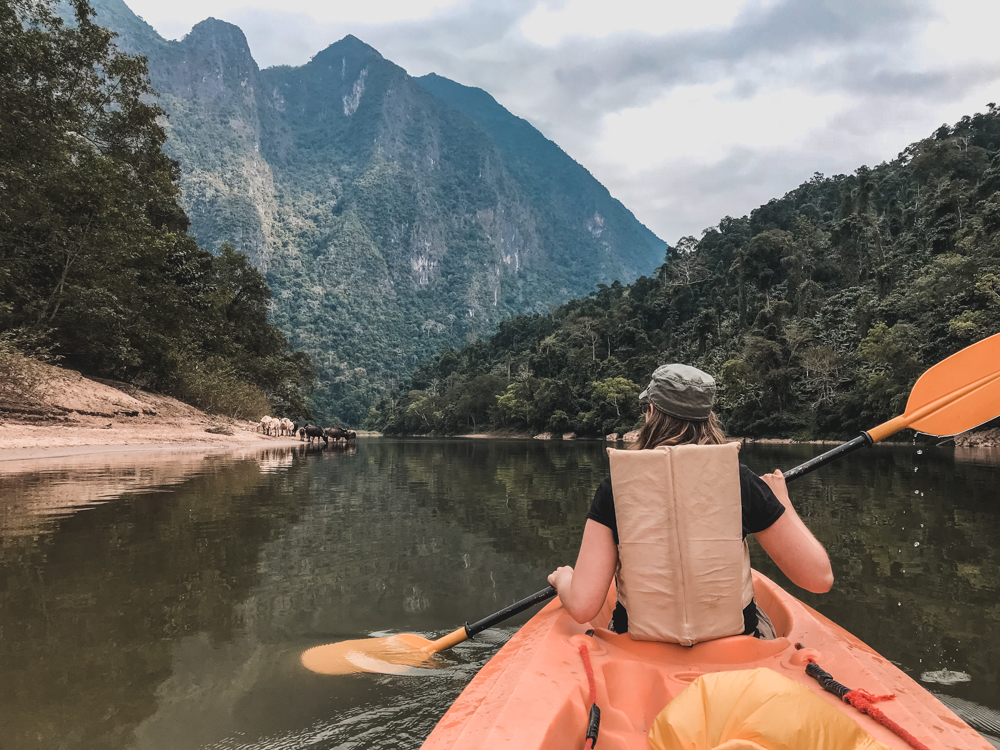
(533, 695)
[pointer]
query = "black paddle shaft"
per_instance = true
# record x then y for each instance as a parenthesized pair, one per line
(863, 440)
(516, 608)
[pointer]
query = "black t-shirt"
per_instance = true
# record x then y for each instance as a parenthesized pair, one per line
(760, 509)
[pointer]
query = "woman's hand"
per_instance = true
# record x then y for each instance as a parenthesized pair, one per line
(562, 578)
(776, 481)
(584, 590)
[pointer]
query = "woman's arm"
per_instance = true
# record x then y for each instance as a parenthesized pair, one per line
(583, 591)
(792, 546)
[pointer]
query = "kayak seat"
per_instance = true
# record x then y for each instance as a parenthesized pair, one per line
(776, 609)
(637, 690)
(754, 709)
(630, 694)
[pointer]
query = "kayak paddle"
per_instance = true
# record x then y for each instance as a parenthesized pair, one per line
(955, 395)
(405, 653)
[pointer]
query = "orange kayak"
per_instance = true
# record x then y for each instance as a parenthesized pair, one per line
(535, 693)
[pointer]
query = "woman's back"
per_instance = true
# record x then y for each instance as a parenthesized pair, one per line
(672, 523)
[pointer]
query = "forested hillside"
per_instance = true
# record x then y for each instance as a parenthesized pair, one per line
(816, 313)
(390, 221)
(97, 268)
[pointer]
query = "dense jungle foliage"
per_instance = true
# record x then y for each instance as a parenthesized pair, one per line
(816, 313)
(96, 264)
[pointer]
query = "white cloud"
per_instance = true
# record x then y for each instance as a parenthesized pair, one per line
(549, 24)
(705, 122)
(961, 31)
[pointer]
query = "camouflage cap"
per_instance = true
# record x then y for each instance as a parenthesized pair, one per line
(681, 391)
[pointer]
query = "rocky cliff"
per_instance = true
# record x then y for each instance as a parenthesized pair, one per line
(393, 216)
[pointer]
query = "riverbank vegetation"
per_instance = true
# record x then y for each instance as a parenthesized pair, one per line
(96, 264)
(816, 313)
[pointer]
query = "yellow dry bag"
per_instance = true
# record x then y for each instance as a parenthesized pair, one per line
(754, 709)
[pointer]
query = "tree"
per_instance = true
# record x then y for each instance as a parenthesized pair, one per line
(822, 365)
(588, 329)
(85, 179)
(891, 358)
(684, 266)
(615, 391)
(515, 402)
(95, 259)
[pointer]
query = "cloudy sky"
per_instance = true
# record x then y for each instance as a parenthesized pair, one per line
(687, 111)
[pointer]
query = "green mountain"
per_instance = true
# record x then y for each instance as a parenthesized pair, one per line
(392, 216)
(816, 312)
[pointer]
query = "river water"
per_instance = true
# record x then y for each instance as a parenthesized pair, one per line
(161, 601)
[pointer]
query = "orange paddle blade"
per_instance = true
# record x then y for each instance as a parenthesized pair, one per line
(394, 654)
(957, 394)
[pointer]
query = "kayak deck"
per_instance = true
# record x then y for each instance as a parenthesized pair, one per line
(534, 692)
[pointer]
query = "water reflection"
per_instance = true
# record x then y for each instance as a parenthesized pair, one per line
(172, 612)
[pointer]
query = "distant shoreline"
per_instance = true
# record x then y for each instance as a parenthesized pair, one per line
(528, 436)
(967, 440)
(72, 415)
(192, 439)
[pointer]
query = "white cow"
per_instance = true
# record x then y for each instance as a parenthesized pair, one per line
(266, 424)
(287, 426)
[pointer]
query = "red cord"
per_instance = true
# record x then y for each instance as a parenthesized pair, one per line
(863, 700)
(589, 744)
(590, 673)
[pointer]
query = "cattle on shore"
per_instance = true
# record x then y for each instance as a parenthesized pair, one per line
(311, 432)
(282, 426)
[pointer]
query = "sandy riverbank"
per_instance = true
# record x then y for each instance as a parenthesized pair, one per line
(73, 415)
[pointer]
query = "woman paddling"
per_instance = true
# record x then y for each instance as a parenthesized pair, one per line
(670, 525)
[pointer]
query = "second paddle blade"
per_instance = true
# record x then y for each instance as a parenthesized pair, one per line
(958, 393)
(394, 654)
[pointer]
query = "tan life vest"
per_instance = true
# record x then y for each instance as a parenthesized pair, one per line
(683, 565)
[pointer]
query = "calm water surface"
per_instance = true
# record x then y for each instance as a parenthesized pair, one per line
(162, 601)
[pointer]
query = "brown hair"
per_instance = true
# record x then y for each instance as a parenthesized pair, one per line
(662, 429)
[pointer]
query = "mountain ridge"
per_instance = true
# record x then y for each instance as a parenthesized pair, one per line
(390, 220)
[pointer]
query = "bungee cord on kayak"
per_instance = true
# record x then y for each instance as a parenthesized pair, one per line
(594, 721)
(861, 699)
